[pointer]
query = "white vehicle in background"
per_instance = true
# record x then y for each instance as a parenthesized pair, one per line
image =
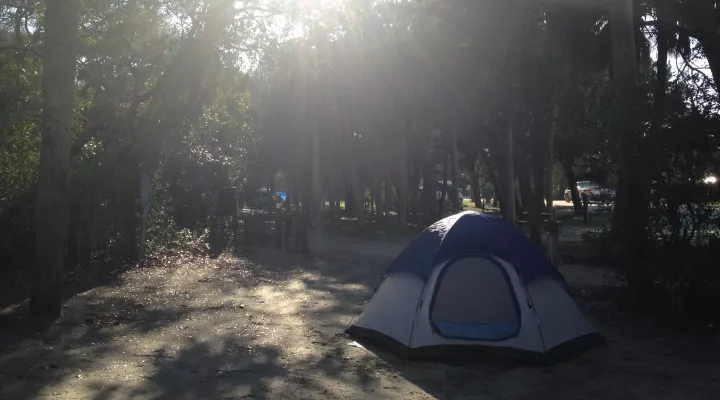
(594, 191)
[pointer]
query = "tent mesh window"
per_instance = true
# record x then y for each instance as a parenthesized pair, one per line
(474, 300)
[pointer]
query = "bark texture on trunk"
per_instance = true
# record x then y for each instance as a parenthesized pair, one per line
(51, 204)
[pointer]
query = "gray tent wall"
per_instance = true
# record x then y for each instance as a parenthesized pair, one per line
(402, 314)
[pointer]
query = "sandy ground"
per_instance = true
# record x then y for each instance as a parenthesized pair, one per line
(270, 325)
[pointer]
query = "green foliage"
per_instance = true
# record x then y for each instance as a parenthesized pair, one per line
(208, 94)
(162, 88)
(164, 235)
(599, 238)
(19, 141)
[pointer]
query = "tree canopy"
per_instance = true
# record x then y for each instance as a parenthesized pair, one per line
(383, 109)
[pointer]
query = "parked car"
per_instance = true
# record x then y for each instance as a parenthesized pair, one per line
(592, 189)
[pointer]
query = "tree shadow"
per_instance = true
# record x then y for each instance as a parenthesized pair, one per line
(197, 330)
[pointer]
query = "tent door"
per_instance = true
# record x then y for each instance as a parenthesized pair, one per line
(473, 299)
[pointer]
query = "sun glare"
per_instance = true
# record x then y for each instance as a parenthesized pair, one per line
(302, 13)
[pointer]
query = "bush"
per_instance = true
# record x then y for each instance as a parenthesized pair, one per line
(681, 270)
(599, 238)
(163, 234)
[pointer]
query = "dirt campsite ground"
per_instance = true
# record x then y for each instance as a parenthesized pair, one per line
(270, 325)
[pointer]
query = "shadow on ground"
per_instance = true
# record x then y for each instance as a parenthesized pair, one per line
(266, 324)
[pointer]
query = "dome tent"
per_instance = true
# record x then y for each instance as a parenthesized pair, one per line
(473, 283)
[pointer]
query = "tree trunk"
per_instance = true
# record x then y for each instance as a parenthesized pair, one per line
(443, 192)
(51, 204)
(569, 170)
(475, 187)
(631, 211)
(416, 193)
(494, 180)
(349, 198)
(519, 206)
(272, 194)
(359, 199)
(454, 196)
(549, 163)
(538, 160)
(402, 190)
(402, 175)
(507, 177)
(525, 194)
(316, 203)
(332, 200)
(429, 202)
(388, 194)
(378, 195)
(711, 48)
(533, 215)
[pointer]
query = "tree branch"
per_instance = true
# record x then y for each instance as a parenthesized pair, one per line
(89, 132)
(12, 47)
(675, 28)
(694, 68)
(101, 122)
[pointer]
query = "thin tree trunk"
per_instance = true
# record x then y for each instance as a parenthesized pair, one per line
(402, 190)
(494, 180)
(402, 177)
(455, 195)
(530, 195)
(569, 170)
(51, 217)
(358, 199)
(549, 163)
(443, 193)
(378, 195)
(316, 203)
(416, 193)
(332, 200)
(429, 202)
(538, 160)
(534, 217)
(388, 194)
(508, 179)
(519, 206)
(475, 187)
(272, 194)
(538, 199)
(526, 193)
(349, 198)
